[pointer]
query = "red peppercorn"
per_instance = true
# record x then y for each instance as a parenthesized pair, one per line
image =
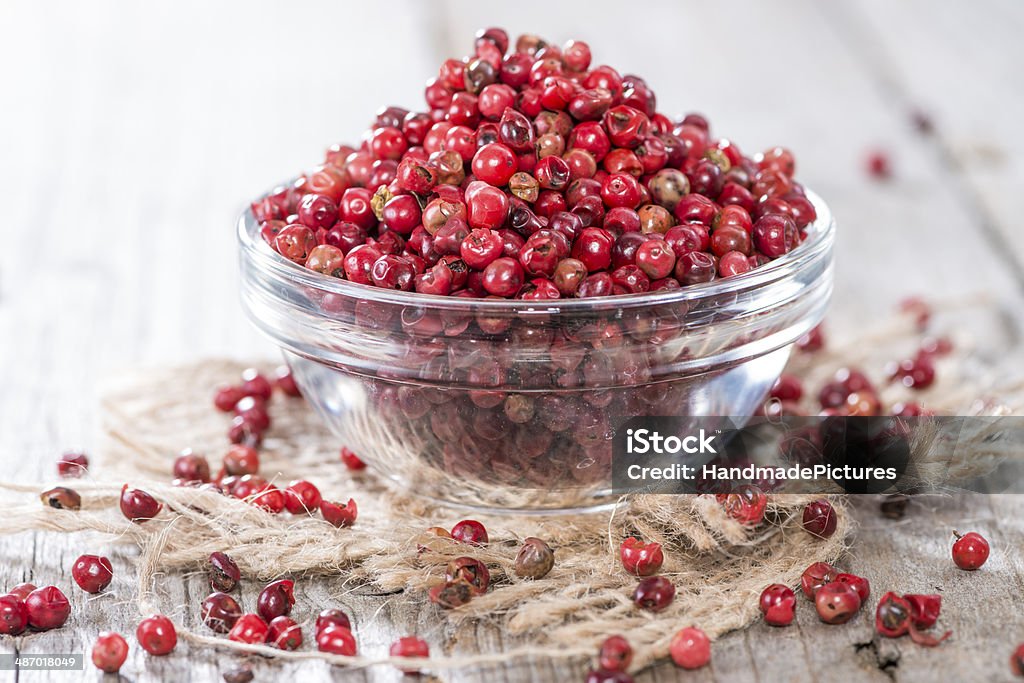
(631, 279)
(138, 506)
(22, 590)
(626, 126)
(393, 272)
(436, 281)
(61, 498)
(471, 532)
(936, 346)
(919, 309)
(249, 628)
(596, 284)
(746, 505)
(480, 248)
(241, 460)
(244, 431)
(302, 497)
(552, 173)
(13, 615)
(220, 612)
(355, 208)
(327, 259)
(470, 571)
(787, 388)
(226, 398)
(351, 460)
(733, 263)
(451, 594)
(494, 164)
(223, 572)
(878, 165)
(254, 384)
(970, 551)
(690, 648)
(819, 519)
(317, 211)
(913, 373)
(695, 267)
(336, 640)
(494, 99)
(812, 341)
(1017, 661)
(338, 514)
(276, 599)
(92, 573)
(534, 560)
(332, 617)
(358, 262)
(271, 499)
(253, 411)
(924, 609)
(284, 634)
(620, 189)
(815, 576)
(109, 652)
(247, 486)
(858, 583)
(503, 277)
(486, 206)
(157, 635)
(285, 380)
(615, 654)
(540, 255)
(774, 235)
(778, 605)
(72, 464)
(593, 248)
(326, 180)
(409, 646)
(654, 593)
(656, 258)
(892, 616)
(836, 602)
(387, 142)
(639, 558)
(191, 467)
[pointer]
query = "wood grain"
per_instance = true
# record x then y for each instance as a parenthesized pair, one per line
(133, 134)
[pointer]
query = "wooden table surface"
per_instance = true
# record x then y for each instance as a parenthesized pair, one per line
(131, 134)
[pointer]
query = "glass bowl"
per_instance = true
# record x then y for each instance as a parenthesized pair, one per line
(511, 405)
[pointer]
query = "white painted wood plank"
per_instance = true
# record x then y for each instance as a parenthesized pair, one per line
(138, 132)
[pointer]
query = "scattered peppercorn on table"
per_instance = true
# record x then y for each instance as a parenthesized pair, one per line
(138, 251)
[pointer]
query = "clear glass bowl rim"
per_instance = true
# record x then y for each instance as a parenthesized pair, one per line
(818, 244)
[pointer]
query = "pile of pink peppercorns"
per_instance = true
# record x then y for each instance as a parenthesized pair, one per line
(534, 175)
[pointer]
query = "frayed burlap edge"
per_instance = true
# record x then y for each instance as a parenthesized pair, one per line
(718, 566)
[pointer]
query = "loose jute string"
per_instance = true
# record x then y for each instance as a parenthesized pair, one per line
(718, 566)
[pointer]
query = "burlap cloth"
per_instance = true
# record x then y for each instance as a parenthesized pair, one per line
(718, 566)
